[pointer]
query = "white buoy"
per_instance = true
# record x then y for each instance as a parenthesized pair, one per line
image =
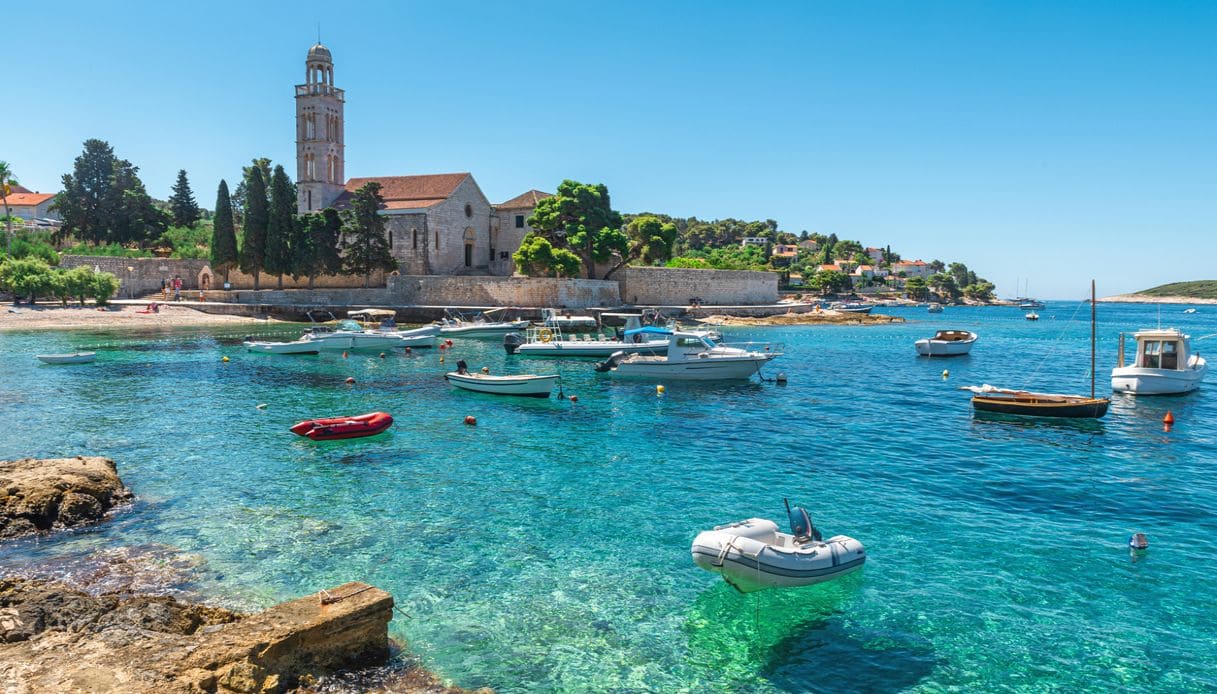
(261, 406)
(780, 378)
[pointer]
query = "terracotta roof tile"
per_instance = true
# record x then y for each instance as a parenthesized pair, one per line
(29, 198)
(406, 192)
(524, 200)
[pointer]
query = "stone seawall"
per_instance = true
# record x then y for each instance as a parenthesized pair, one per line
(646, 286)
(140, 276)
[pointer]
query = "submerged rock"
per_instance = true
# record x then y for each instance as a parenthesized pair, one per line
(53, 638)
(44, 494)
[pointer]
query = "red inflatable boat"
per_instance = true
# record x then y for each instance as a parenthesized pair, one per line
(369, 424)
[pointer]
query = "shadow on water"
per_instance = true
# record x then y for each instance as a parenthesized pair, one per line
(780, 636)
(1079, 424)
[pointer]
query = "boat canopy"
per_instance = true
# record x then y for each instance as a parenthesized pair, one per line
(649, 330)
(373, 313)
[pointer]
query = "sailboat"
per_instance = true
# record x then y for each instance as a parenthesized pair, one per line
(988, 398)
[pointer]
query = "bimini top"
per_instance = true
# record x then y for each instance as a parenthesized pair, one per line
(648, 330)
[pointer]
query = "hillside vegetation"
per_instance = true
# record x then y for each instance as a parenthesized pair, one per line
(1200, 289)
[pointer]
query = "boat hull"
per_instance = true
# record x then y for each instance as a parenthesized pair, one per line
(333, 428)
(482, 330)
(1142, 381)
(749, 564)
(521, 386)
(76, 358)
(570, 348)
(709, 369)
(1075, 408)
(359, 341)
(943, 348)
(282, 347)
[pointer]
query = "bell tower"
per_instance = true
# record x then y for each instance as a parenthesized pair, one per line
(320, 174)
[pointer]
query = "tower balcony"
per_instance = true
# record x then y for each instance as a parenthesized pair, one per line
(320, 90)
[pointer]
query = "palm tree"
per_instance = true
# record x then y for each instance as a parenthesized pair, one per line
(6, 183)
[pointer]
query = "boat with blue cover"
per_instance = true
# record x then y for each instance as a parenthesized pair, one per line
(690, 356)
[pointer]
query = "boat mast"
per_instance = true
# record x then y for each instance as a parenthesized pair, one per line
(1093, 312)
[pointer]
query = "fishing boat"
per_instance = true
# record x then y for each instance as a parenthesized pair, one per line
(1164, 364)
(934, 307)
(331, 428)
(525, 385)
(754, 555)
(550, 318)
(987, 398)
(477, 324)
(690, 356)
(296, 347)
(946, 343)
(556, 343)
(73, 358)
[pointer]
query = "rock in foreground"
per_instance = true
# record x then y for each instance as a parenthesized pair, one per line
(39, 495)
(54, 639)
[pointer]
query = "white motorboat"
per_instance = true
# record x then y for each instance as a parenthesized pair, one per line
(550, 318)
(478, 324)
(297, 347)
(554, 342)
(386, 323)
(1189, 310)
(753, 554)
(526, 385)
(1030, 304)
(1164, 364)
(852, 307)
(691, 356)
(348, 335)
(934, 308)
(1032, 316)
(73, 358)
(946, 343)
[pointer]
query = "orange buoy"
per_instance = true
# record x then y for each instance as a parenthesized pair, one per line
(443, 346)
(471, 420)
(344, 355)
(1168, 421)
(574, 398)
(448, 342)
(350, 379)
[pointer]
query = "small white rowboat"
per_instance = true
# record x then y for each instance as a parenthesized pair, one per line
(297, 347)
(753, 555)
(946, 343)
(527, 385)
(74, 358)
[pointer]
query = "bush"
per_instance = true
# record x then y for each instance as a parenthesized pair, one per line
(108, 249)
(36, 244)
(105, 286)
(26, 276)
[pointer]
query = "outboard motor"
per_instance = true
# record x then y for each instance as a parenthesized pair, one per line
(800, 524)
(610, 363)
(512, 342)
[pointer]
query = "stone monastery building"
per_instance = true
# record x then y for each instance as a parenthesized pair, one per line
(437, 224)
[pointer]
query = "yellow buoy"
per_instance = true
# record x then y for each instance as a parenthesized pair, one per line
(225, 360)
(946, 372)
(441, 360)
(659, 390)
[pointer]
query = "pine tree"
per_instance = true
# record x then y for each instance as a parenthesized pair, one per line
(253, 250)
(367, 249)
(223, 234)
(280, 226)
(185, 210)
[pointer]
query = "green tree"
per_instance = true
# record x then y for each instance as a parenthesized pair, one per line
(944, 285)
(917, 288)
(26, 277)
(79, 283)
(257, 216)
(650, 240)
(240, 196)
(181, 204)
(7, 181)
(223, 234)
(367, 249)
(848, 249)
(105, 286)
(537, 257)
(829, 281)
(318, 252)
(281, 226)
(580, 218)
(103, 200)
(979, 291)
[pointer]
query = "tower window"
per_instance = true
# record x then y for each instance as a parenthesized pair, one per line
(415, 245)
(390, 238)
(437, 240)
(519, 221)
(468, 210)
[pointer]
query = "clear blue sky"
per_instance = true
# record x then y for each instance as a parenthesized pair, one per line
(1040, 141)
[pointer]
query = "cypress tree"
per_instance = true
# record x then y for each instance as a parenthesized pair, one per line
(253, 250)
(367, 249)
(185, 210)
(223, 234)
(280, 226)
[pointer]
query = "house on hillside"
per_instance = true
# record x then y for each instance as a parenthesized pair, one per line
(33, 208)
(753, 241)
(912, 268)
(875, 254)
(809, 245)
(783, 254)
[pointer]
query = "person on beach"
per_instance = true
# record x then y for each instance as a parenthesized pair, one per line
(164, 289)
(177, 288)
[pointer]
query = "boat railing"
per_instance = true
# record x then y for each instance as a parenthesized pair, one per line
(763, 347)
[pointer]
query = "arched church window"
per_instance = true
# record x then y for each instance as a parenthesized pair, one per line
(468, 210)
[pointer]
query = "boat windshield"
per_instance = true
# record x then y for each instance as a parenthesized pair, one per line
(348, 324)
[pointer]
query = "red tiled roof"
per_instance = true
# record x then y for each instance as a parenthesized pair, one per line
(524, 200)
(406, 192)
(28, 198)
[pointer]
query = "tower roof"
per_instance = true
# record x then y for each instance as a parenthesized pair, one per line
(319, 53)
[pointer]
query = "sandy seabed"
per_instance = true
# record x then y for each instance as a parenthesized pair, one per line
(60, 318)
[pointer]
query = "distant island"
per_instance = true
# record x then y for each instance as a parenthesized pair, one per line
(1196, 292)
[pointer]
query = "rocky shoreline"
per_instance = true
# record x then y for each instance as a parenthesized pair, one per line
(1143, 299)
(827, 317)
(112, 627)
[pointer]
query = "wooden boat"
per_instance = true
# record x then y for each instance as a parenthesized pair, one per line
(525, 385)
(987, 398)
(331, 428)
(754, 555)
(73, 358)
(1164, 364)
(946, 343)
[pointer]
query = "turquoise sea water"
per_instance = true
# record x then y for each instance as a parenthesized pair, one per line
(548, 547)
